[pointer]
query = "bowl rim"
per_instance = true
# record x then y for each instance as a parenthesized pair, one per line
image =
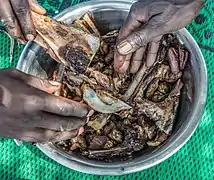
(127, 168)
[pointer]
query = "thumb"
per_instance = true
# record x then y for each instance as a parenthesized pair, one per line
(36, 7)
(134, 41)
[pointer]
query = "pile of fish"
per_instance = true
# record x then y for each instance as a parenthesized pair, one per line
(131, 112)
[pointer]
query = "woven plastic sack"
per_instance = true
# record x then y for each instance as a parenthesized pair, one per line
(195, 161)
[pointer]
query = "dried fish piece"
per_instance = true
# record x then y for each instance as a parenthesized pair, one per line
(150, 61)
(105, 103)
(160, 138)
(162, 113)
(148, 126)
(71, 45)
(134, 138)
(87, 23)
(98, 121)
(98, 142)
(102, 79)
(107, 153)
(109, 127)
(109, 144)
(116, 135)
(78, 142)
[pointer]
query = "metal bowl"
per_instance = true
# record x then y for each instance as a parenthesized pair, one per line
(110, 15)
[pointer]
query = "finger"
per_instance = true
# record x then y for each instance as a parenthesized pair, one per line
(152, 51)
(137, 60)
(139, 38)
(133, 21)
(171, 21)
(22, 10)
(62, 106)
(126, 64)
(9, 20)
(34, 5)
(136, 18)
(48, 102)
(160, 23)
(134, 41)
(44, 85)
(118, 61)
(128, 27)
(41, 135)
(53, 122)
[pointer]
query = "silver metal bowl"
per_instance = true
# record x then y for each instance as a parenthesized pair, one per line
(109, 15)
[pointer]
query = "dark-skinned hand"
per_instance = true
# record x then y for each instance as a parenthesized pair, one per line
(16, 16)
(147, 20)
(29, 110)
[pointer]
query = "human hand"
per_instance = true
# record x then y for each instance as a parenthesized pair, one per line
(147, 20)
(30, 112)
(16, 16)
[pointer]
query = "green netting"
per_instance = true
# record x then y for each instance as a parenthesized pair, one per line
(193, 161)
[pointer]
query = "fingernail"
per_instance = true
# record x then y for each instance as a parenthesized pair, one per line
(54, 83)
(118, 61)
(35, 3)
(87, 119)
(126, 64)
(81, 130)
(90, 113)
(42, 9)
(124, 47)
(30, 37)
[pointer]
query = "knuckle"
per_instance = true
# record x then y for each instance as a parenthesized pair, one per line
(9, 21)
(133, 15)
(12, 27)
(21, 11)
(134, 7)
(33, 102)
(134, 11)
(21, 6)
(138, 12)
(139, 38)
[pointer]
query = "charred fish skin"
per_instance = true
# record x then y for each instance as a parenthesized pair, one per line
(67, 42)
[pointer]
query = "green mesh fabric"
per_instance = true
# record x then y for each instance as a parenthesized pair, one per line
(194, 161)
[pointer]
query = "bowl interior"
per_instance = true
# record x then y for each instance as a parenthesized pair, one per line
(107, 20)
(36, 62)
